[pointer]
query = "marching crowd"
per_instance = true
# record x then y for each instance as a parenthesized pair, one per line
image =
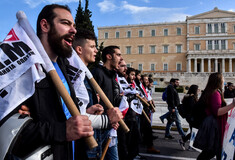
(206, 111)
(126, 89)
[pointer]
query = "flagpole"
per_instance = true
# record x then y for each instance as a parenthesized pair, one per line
(142, 100)
(146, 116)
(22, 19)
(105, 148)
(146, 103)
(106, 100)
(99, 90)
(144, 113)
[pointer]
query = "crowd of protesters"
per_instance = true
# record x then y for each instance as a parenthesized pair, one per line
(128, 91)
(52, 122)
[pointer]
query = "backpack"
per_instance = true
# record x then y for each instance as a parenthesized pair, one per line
(164, 95)
(198, 113)
(185, 108)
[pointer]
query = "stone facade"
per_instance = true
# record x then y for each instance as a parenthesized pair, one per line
(189, 50)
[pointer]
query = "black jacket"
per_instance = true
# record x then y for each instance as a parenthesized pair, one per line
(106, 80)
(208, 135)
(229, 94)
(49, 121)
(188, 103)
(173, 99)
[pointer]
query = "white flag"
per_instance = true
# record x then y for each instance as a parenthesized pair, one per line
(19, 69)
(137, 106)
(126, 88)
(77, 72)
(229, 135)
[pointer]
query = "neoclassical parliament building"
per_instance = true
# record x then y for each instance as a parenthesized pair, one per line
(189, 50)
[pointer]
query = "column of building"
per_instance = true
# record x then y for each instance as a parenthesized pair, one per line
(209, 65)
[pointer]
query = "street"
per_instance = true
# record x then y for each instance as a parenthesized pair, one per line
(170, 149)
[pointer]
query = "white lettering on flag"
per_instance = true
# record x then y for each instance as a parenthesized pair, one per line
(77, 75)
(19, 69)
(17, 55)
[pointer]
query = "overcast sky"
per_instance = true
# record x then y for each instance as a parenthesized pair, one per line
(114, 12)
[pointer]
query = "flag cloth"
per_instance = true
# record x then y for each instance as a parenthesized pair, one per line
(229, 134)
(123, 106)
(126, 88)
(19, 69)
(77, 72)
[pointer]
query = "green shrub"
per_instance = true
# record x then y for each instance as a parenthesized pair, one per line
(179, 89)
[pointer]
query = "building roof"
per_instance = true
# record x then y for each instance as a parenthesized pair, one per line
(215, 13)
(142, 25)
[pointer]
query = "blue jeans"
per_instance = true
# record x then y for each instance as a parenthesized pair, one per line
(112, 152)
(100, 136)
(165, 116)
(178, 125)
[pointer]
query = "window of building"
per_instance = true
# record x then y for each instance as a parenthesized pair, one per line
(216, 28)
(152, 49)
(197, 30)
(117, 35)
(165, 49)
(209, 28)
(165, 32)
(140, 33)
(106, 35)
(178, 48)
(178, 31)
(128, 65)
(223, 44)
(216, 43)
(178, 67)
(128, 34)
(152, 67)
(209, 45)
(234, 28)
(222, 27)
(128, 50)
(234, 46)
(197, 47)
(165, 67)
(140, 49)
(140, 67)
(153, 32)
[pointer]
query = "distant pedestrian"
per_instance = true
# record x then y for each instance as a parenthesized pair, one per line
(229, 92)
(173, 101)
(188, 102)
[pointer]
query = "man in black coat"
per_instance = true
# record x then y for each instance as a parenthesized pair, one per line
(173, 101)
(229, 92)
(52, 124)
(105, 76)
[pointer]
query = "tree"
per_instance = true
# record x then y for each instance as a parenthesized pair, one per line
(83, 21)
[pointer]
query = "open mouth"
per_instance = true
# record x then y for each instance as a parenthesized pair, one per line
(68, 41)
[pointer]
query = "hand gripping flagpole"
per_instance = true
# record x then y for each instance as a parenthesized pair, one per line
(101, 93)
(146, 103)
(22, 19)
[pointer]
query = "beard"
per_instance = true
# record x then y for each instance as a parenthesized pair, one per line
(55, 42)
(113, 64)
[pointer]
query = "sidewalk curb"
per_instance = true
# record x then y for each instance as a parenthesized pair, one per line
(174, 128)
